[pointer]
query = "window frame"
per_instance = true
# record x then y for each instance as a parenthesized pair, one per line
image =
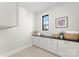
(43, 25)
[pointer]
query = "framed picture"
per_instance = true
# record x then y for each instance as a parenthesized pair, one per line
(61, 22)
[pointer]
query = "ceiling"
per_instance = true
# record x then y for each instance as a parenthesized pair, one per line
(36, 7)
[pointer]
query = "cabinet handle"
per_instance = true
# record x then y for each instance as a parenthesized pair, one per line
(67, 42)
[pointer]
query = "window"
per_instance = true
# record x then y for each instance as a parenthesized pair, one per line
(45, 22)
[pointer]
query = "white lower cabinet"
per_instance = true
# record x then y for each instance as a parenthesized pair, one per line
(52, 45)
(46, 43)
(43, 43)
(39, 41)
(68, 48)
(60, 47)
(36, 40)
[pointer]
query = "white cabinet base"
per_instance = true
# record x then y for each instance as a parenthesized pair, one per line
(68, 48)
(59, 47)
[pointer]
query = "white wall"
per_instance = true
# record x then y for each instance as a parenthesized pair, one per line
(65, 9)
(19, 36)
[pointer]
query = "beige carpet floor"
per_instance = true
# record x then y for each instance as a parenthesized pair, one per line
(33, 52)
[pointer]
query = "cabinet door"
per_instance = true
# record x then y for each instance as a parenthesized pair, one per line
(48, 44)
(35, 40)
(72, 49)
(52, 45)
(62, 48)
(8, 13)
(67, 48)
(42, 43)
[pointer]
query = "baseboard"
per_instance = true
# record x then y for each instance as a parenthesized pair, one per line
(9, 53)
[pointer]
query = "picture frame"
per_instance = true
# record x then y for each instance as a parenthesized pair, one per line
(61, 22)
